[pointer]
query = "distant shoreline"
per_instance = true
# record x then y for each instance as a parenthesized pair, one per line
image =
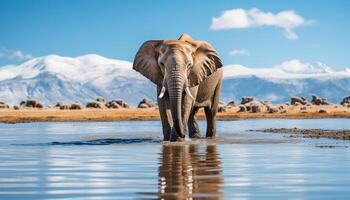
(152, 114)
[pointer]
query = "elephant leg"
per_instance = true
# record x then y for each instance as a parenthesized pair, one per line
(211, 125)
(210, 112)
(188, 113)
(165, 115)
(193, 127)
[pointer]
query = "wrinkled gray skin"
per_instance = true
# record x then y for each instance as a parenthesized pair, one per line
(188, 75)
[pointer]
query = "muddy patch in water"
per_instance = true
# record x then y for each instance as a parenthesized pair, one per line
(310, 133)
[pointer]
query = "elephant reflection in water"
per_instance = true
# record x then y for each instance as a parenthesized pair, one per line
(187, 173)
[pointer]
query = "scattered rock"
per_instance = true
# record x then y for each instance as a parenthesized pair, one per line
(346, 100)
(298, 104)
(256, 107)
(31, 103)
(59, 104)
(266, 103)
(146, 103)
(284, 111)
(253, 105)
(22, 103)
(246, 100)
(143, 105)
(231, 103)
(39, 105)
(222, 108)
(316, 100)
(3, 105)
(303, 108)
(117, 103)
(100, 99)
(95, 104)
(248, 108)
(294, 100)
(273, 109)
(75, 106)
(323, 111)
(242, 108)
(16, 107)
(64, 106)
(113, 104)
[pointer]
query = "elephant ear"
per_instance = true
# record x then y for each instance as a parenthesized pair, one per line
(206, 60)
(146, 63)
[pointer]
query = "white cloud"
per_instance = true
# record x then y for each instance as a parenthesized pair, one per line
(238, 52)
(13, 54)
(239, 18)
(296, 66)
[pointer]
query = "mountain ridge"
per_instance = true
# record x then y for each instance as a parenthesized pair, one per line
(55, 78)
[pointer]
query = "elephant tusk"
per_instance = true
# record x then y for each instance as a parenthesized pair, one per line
(189, 93)
(162, 93)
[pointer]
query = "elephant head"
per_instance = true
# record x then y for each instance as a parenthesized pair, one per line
(176, 65)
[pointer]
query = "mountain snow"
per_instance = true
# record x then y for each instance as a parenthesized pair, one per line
(288, 70)
(54, 78)
(290, 78)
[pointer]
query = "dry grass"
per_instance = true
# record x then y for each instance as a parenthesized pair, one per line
(53, 114)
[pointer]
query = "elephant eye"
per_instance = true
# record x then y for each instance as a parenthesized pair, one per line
(161, 64)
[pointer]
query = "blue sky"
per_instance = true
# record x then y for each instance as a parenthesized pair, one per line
(116, 29)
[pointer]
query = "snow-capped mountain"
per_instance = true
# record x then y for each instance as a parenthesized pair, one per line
(290, 78)
(289, 70)
(53, 78)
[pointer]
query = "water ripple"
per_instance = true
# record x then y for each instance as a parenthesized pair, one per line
(129, 161)
(104, 141)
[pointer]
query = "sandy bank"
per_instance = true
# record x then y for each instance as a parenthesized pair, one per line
(53, 114)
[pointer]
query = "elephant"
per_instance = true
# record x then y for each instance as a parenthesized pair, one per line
(188, 74)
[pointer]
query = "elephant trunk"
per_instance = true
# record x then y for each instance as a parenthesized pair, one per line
(175, 84)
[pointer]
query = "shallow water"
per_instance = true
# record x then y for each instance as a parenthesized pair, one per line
(128, 160)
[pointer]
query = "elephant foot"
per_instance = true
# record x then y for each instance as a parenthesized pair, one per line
(175, 137)
(210, 136)
(195, 135)
(166, 137)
